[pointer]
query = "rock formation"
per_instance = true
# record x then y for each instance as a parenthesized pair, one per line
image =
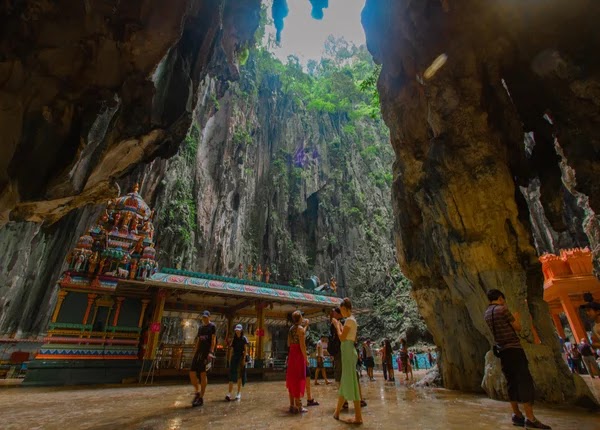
(90, 89)
(515, 102)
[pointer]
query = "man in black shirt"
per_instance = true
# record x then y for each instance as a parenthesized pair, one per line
(203, 353)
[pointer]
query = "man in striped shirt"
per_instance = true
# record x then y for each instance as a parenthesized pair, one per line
(504, 327)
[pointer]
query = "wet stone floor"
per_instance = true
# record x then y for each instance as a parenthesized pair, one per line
(263, 406)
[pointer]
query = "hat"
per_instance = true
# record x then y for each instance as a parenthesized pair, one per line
(238, 327)
(206, 314)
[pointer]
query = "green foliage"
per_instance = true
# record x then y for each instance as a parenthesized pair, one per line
(179, 214)
(241, 137)
(190, 143)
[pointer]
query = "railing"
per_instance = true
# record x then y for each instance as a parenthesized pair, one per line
(210, 277)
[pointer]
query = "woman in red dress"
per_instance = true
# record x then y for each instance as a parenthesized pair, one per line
(295, 378)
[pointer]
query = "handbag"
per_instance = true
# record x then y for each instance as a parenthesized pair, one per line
(496, 349)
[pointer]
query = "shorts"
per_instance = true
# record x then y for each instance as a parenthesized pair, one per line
(199, 362)
(369, 362)
(516, 369)
(320, 363)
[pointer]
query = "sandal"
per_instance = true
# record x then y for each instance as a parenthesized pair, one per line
(312, 402)
(336, 417)
(363, 403)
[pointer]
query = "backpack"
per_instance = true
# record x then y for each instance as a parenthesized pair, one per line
(334, 345)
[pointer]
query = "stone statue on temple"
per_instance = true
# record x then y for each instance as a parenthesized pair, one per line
(267, 275)
(241, 271)
(333, 284)
(93, 262)
(250, 270)
(259, 273)
(79, 262)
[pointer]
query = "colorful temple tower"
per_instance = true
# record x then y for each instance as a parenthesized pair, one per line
(566, 278)
(95, 331)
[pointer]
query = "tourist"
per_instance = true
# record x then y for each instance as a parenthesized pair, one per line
(575, 359)
(204, 351)
(404, 358)
(359, 361)
(295, 378)
(588, 358)
(349, 388)
(334, 345)
(237, 362)
(309, 398)
(389, 360)
(367, 353)
(504, 327)
(399, 361)
(383, 361)
(592, 310)
(321, 351)
(430, 358)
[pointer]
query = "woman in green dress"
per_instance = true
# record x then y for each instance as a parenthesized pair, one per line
(349, 389)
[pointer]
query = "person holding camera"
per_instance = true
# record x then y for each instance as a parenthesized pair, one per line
(515, 366)
(204, 353)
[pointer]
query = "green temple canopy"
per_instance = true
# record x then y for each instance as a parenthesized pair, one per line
(192, 291)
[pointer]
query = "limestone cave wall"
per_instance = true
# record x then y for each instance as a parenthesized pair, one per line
(90, 89)
(513, 113)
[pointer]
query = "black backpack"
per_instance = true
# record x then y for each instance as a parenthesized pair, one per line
(333, 344)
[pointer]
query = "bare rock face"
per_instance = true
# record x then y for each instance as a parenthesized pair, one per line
(90, 89)
(514, 102)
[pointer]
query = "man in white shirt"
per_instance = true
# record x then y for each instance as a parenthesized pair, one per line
(321, 351)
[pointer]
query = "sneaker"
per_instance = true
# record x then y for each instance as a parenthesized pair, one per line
(197, 400)
(238, 396)
(536, 425)
(228, 397)
(518, 421)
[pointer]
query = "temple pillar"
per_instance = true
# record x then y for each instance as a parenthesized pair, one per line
(142, 313)
(155, 325)
(259, 361)
(118, 310)
(573, 318)
(558, 324)
(62, 294)
(90, 301)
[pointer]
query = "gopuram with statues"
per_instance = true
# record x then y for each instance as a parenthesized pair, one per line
(118, 317)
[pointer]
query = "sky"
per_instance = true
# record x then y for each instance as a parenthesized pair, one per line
(304, 36)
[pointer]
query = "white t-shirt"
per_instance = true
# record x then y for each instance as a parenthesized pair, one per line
(351, 322)
(321, 348)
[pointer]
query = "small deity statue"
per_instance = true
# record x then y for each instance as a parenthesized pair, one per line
(116, 219)
(79, 261)
(125, 222)
(139, 246)
(133, 269)
(250, 271)
(134, 226)
(259, 273)
(241, 271)
(103, 218)
(148, 229)
(101, 266)
(93, 262)
(267, 275)
(333, 284)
